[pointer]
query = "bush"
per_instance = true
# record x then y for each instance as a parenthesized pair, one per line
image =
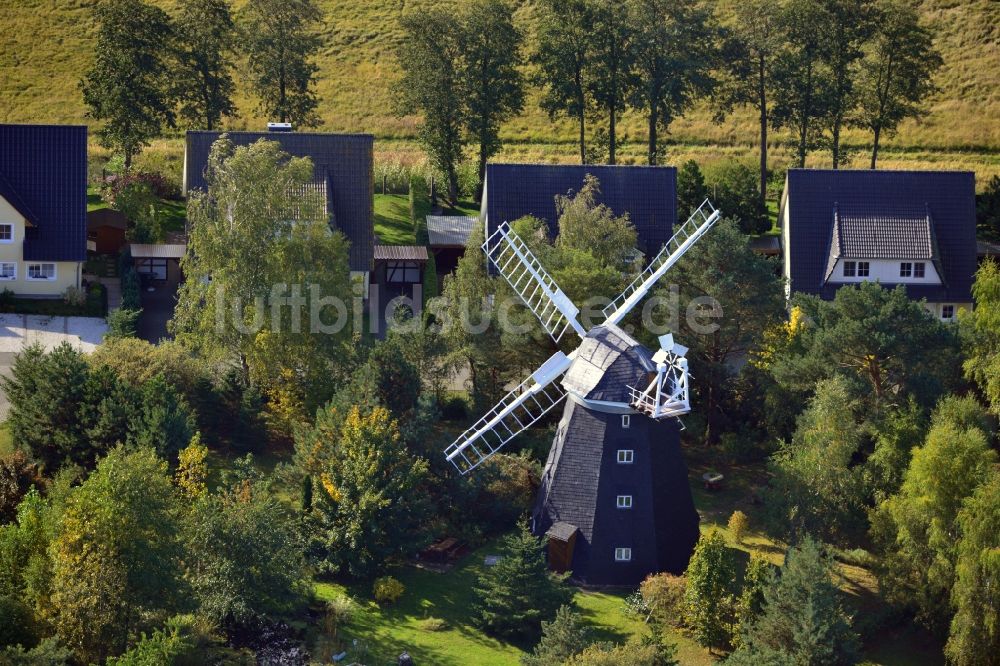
(155, 183)
(454, 409)
(74, 296)
(430, 279)
(131, 296)
(17, 474)
(387, 590)
(6, 300)
(738, 524)
(433, 624)
(17, 625)
(123, 323)
(736, 194)
(663, 596)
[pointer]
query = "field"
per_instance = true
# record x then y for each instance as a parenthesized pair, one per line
(47, 46)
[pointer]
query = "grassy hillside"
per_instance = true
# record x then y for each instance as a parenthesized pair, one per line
(46, 45)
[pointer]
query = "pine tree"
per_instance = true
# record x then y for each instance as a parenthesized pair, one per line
(562, 638)
(802, 621)
(516, 594)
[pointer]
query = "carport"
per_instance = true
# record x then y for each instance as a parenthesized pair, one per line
(161, 261)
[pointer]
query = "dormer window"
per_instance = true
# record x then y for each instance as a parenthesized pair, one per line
(862, 269)
(905, 269)
(850, 268)
(918, 269)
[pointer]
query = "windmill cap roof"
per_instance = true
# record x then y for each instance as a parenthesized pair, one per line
(607, 362)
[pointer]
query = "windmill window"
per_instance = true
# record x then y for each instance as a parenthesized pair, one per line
(626, 456)
(906, 269)
(862, 269)
(918, 269)
(623, 554)
(626, 421)
(624, 501)
(850, 268)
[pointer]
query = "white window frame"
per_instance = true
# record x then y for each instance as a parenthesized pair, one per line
(946, 317)
(623, 554)
(626, 456)
(624, 502)
(11, 227)
(864, 269)
(27, 271)
(905, 269)
(13, 272)
(919, 270)
(850, 268)
(626, 421)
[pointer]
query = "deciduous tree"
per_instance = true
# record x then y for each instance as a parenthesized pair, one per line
(491, 62)
(980, 329)
(709, 593)
(432, 85)
(127, 86)
(896, 71)
(280, 40)
(675, 51)
(206, 36)
(612, 63)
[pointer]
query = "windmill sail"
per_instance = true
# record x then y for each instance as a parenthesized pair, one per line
(518, 410)
(682, 240)
(532, 283)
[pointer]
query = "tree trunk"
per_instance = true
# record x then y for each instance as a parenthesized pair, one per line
(282, 111)
(452, 185)
(803, 132)
(583, 139)
(762, 103)
(128, 161)
(653, 121)
(878, 131)
(836, 141)
(482, 170)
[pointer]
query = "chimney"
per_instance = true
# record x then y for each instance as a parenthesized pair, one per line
(279, 127)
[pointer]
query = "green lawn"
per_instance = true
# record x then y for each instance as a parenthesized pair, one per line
(429, 597)
(6, 443)
(392, 220)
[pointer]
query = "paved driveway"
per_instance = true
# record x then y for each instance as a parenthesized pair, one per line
(19, 331)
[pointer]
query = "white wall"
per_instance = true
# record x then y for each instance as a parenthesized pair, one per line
(885, 271)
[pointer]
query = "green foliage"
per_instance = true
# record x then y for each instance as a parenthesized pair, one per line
(203, 81)
(875, 337)
(17, 476)
(988, 209)
(163, 420)
(562, 638)
(47, 653)
(663, 597)
(981, 332)
(123, 323)
(131, 299)
(917, 528)
(896, 432)
(25, 570)
(734, 188)
(491, 62)
(162, 648)
(587, 226)
(517, 593)
(17, 623)
(691, 189)
(430, 279)
(727, 297)
(757, 578)
(634, 653)
(126, 87)
(281, 41)
(816, 488)
(975, 627)
(387, 590)
(243, 555)
(674, 43)
(368, 508)
(116, 556)
(234, 220)
(738, 524)
(802, 621)
(709, 592)
(611, 65)
(896, 71)
(563, 61)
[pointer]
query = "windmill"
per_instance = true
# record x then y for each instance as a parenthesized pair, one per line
(614, 500)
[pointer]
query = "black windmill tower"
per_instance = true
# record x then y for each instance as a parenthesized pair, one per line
(614, 502)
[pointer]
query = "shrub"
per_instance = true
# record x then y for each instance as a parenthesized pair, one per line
(338, 613)
(74, 296)
(6, 300)
(17, 626)
(156, 183)
(663, 596)
(123, 323)
(387, 590)
(738, 524)
(131, 298)
(433, 624)
(16, 477)
(454, 409)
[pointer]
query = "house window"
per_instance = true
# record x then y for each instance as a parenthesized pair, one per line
(623, 554)
(8, 270)
(947, 312)
(624, 502)
(906, 269)
(41, 271)
(626, 456)
(918, 269)
(850, 268)
(626, 421)
(862, 269)
(6, 233)
(402, 272)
